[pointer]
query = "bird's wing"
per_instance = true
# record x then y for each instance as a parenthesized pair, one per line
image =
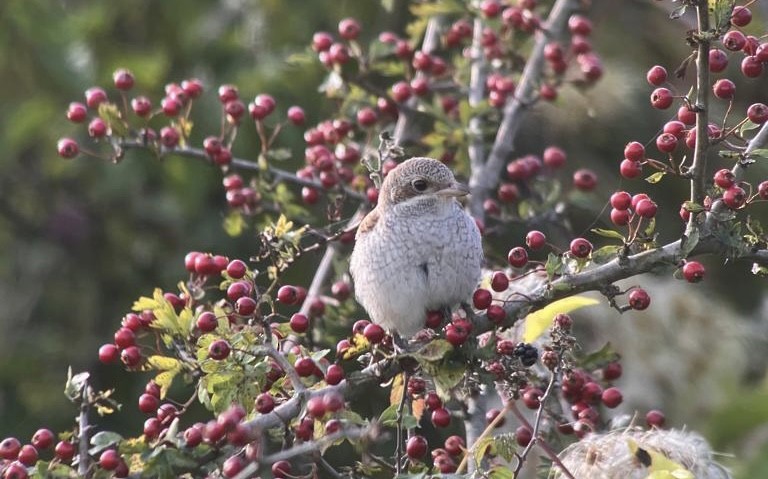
(369, 222)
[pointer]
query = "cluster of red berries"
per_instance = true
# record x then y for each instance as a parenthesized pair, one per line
(443, 458)
(16, 458)
(625, 208)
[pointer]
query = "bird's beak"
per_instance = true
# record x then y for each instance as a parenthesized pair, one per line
(455, 190)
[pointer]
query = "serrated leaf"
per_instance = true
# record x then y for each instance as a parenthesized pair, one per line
(104, 439)
(164, 380)
(553, 266)
(608, 233)
(656, 177)
(540, 321)
(605, 254)
(163, 363)
(434, 350)
(388, 417)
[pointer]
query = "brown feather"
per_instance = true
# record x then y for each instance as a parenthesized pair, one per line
(369, 222)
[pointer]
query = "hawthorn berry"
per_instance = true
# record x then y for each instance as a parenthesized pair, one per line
(724, 89)
(661, 98)
(131, 356)
(666, 142)
(656, 75)
(584, 179)
(508, 192)
(620, 217)
(499, 281)
(655, 418)
(523, 436)
(724, 178)
(366, 117)
(9, 448)
(693, 271)
(517, 257)
(77, 112)
(621, 200)
(456, 334)
(531, 397)
(109, 353)
(639, 299)
(287, 295)
(646, 208)
(264, 403)
(757, 113)
(751, 66)
(535, 240)
(441, 417)
(554, 157)
(762, 190)
(612, 371)
(109, 460)
(148, 403)
(580, 248)
(123, 79)
(734, 197)
(734, 40)
(43, 439)
(496, 314)
(304, 366)
(718, 60)
(67, 148)
(374, 333)
(232, 466)
(492, 414)
(481, 298)
(741, 16)
(219, 349)
(193, 436)
(64, 451)
(94, 96)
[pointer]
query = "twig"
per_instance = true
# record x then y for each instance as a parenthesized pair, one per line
(484, 180)
(543, 445)
(536, 425)
(84, 460)
(287, 368)
(698, 167)
(277, 173)
(486, 432)
(476, 149)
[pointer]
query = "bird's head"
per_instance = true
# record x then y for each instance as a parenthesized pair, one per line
(420, 180)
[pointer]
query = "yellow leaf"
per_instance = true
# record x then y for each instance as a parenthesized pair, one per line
(163, 363)
(417, 408)
(538, 322)
(164, 380)
(396, 393)
(358, 345)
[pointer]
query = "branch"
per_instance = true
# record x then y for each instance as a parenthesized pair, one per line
(698, 168)
(83, 462)
(477, 77)
(277, 173)
(484, 180)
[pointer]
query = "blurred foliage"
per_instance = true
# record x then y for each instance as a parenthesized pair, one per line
(80, 240)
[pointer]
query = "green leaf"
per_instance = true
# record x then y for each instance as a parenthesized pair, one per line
(234, 224)
(656, 177)
(608, 233)
(75, 384)
(605, 254)
(758, 153)
(650, 228)
(501, 472)
(112, 117)
(691, 239)
(599, 358)
(728, 154)
(388, 417)
(433, 351)
(693, 207)
(103, 440)
(747, 126)
(553, 266)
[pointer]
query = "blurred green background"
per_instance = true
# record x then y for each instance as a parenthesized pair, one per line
(80, 240)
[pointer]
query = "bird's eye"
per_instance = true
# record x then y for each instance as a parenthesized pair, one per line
(420, 184)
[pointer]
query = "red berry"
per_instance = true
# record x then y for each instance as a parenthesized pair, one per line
(634, 151)
(639, 299)
(686, 115)
(620, 217)
(762, 190)
(580, 248)
(245, 306)
(124, 337)
(491, 416)
(401, 91)
(496, 314)
(508, 192)
(64, 451)
(228, 93)
(9, 448)
(517, 257)
(416, 447)
(264, 403)
(130, 356)
(94, 96)
(366, 117)
(724, 89)
(621, 200)
(734, 197)
(734, 40)
(148, 403)
(693, 271)
(27, 455)
(15, 470)
(341, 290)
(441, 417)
(751, 67)
(612, 371)
(304, 366)
(482, 298)
(192, 87)
(232, 466)
(207, 322)
(666, 142)
(170, 106)
(456, 335)
(316, 407)
(349, 29)
(321, 41)
(77, 112)
(656, 75)
(169, 136)
(109, 460)
(334, 375)
(655, 418)
(374, 333)
(123, 79)
(219, 350)
(535, 240)
(287, 295)
(638, 198)
(193, 436)
(523, 435)
(296, 115)
(724, 178)
(109, 353)
(718, 60)
(67, 148)
(43, 439)
(554, 157)
(499, 281)
(299, 323)
(584, 179)
(661, 98)
(646, 208)
(630, 169)
(757, 113)
(741, 16)
(531, 397)
(281, 469)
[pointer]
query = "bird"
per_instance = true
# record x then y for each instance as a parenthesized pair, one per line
(417, 250)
